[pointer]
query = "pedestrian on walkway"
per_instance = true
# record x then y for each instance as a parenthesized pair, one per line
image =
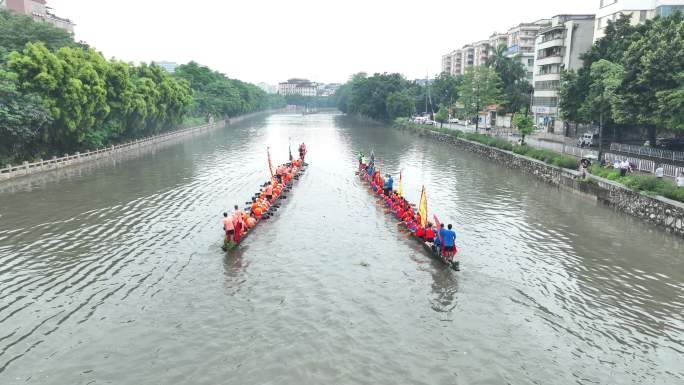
(624, 167)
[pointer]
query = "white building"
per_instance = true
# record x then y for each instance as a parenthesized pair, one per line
(329, 89)
(302, 87)
(168, 66)
(638, 10)
(521, 40)
(558, 48)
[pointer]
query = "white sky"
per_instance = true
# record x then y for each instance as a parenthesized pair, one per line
(325, 41)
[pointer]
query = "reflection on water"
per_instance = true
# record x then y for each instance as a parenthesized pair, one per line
(115, 274)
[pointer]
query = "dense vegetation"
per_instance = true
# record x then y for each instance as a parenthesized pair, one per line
(216, 94)
(58, 96)
(632, 78)
(501, 81)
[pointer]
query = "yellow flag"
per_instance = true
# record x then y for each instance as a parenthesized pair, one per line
(422, 209)
(401, 185)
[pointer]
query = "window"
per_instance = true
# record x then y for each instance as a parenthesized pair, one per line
(553, 35)
(549, 69)
(547, 85)
(545, 101)
(530, 62)
(643, 15)
(550, 52)
(668, 10)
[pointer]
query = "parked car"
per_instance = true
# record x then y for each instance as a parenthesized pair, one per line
(429, 122)
(588, 139)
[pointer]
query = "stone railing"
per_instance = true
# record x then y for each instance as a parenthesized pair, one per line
(28, 168)
(665, 155)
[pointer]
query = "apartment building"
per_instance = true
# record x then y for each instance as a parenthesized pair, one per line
(39, 11)
(447, 62)
(558, 48)
(638, 10)
(521, 40)
(302, 87)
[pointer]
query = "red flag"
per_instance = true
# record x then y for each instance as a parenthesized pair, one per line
(270, 166)
(439, 233)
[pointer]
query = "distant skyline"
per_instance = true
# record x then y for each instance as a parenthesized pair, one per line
(271, 41)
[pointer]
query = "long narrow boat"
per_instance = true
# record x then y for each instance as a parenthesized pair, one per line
(276, 202)
(426, 246)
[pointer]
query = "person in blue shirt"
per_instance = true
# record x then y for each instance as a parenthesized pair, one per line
(387, 187)
(449, 238)
(437, 245)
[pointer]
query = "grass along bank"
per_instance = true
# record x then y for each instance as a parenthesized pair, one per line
(546, 156)
(645, 184)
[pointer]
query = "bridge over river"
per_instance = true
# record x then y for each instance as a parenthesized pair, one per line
(116, 275)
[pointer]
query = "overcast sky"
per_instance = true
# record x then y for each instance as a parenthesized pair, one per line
(325, 41)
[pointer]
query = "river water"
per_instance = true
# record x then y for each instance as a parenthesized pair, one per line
(115, 276)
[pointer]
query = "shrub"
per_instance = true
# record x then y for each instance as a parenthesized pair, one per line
(566, 162)
(649, 185)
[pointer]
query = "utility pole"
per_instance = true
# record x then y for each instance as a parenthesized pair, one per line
(600, 144)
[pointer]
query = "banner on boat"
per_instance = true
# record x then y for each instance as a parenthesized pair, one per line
(400, 191)
(270, 166)
(422, 208)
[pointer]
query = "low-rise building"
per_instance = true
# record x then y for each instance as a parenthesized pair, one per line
(558, 48)
(295, 86)
(39, 11)
(168, 66)
(638, 11)
(329, 89)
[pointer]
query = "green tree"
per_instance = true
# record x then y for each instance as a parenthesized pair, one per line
(23, 119)
(72, 84)
(516, 90)
(603, 100)
(400, 104)
(368, 95)
(575, 86)
(17, 30)
(524, 123)
(445, 89)
(442, 115)
(671, 106)
(481, 87)
(652, 64)
(572, 94)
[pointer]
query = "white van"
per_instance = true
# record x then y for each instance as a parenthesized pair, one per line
(587, 139)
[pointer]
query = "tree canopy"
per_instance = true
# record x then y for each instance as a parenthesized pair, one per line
(645, 64)
(516, 90)
(59, 96)
(481, 87)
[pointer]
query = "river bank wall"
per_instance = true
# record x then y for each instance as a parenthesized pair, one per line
(662, 212)
(115, 152)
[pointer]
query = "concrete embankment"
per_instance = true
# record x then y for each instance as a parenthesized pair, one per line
(112, 153)
(660, 211)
